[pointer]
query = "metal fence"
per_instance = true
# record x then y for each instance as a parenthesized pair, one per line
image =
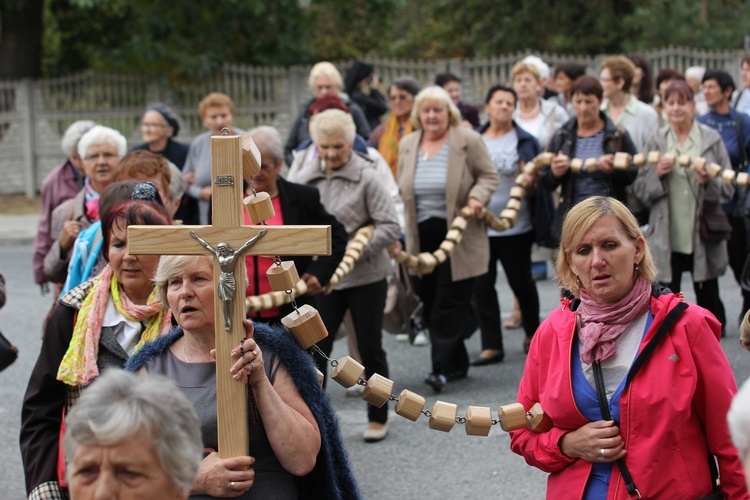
(34, 114)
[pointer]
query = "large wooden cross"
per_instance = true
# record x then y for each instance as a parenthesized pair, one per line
(228, 156)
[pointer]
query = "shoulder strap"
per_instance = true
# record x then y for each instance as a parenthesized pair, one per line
(741, 142)
(664, 328)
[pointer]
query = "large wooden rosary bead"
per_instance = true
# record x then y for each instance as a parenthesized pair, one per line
(459, 223)
(514, 204)
(443, 416)
(409, 405)
(700, 163)
(639, 160)
(728, 176)
(250, 157)
(440, 256)
(654, 157)
(743, 179)
(427, 263)
(454, 235)
(714, 169)
(512, 417)
(537, 420)
(259, 207)
(478, 421)
(684, 161)
(521, 180)
(622, 161)
(347, 371)
(447, 246)
(378, 390)
(306, 326)
(517, 192)
(283, 277)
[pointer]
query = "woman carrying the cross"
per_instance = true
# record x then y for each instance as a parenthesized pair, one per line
(97, 325)
(634, 380)
(295, 446)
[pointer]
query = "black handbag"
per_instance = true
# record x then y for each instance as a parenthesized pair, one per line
(8, 352)
(403, 308)
(601, 394)
(714, 226)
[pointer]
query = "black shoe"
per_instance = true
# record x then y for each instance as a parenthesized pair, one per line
(435, 380)
(457, 375)
(492, 360)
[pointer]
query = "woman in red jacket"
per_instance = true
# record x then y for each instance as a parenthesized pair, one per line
(634, 380)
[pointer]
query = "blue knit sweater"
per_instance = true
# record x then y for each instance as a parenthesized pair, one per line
(333, 476)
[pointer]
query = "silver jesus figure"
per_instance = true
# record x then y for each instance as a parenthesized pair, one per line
(226, 257)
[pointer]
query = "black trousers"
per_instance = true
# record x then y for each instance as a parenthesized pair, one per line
(706, 292)
(737, 250)
(366, 304)
(447, 306)
(514, 253)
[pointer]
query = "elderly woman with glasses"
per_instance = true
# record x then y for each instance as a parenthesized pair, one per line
(101, 149)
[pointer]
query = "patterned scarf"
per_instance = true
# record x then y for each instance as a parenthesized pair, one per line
(78, 366)
(603, 323)
(388, 145)
(92, 202)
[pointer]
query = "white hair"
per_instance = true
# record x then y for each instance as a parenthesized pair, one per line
(328, 70)
(73, 135)
(695, 73)
(739, 420)
(540, 65)
(103, 135)
(331, 122)
(270, 139)
(177, 184)
(118, 405)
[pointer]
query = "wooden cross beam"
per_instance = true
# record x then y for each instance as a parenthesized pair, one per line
(228, 153)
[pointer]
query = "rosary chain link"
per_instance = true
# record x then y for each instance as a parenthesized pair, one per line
(320, 352)
(427, 413)
(460, 420)
(362, 382)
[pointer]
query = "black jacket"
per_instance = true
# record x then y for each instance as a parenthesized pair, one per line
(564, 141)
(300, 205)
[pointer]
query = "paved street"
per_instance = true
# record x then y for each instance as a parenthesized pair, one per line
(413, 462)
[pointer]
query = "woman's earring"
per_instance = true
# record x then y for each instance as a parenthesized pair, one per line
(637, 268)
(578, 282)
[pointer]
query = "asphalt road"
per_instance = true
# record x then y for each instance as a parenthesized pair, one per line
(414, 461)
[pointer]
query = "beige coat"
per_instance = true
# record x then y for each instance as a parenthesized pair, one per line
(471, 174)
(710, 259)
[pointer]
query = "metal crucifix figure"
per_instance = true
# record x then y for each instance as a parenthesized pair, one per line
(227, 257)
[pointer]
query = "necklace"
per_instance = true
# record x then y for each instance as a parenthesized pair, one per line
(531, 114)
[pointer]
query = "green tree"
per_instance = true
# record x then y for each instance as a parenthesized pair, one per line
(190, 39)
(21, 38)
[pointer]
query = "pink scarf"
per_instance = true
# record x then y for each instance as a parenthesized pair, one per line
(603, 323)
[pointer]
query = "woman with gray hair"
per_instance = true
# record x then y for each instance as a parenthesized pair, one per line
(100, 149)
(59, 186)
(324, 79)
(443, 167)
(351, 190)
(132, 437)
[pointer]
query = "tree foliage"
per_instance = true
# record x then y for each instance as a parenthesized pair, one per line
(193, 38)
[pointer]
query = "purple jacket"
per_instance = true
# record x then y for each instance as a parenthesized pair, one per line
(60, 185)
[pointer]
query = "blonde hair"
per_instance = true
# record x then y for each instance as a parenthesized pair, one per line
(437, 94)
(169, 266)
(328, 70)
(577, 223)
(218, 100)
(522, 67)
(331, 122)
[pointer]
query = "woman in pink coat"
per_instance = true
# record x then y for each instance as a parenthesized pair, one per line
(634, 379)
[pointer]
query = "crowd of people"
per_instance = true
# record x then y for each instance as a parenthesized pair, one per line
(622, 236)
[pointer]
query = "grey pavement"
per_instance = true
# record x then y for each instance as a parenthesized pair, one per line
(414, 461)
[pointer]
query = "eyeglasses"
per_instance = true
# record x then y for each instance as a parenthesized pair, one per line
(400, 97)
(153, 125)
(106, 156)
